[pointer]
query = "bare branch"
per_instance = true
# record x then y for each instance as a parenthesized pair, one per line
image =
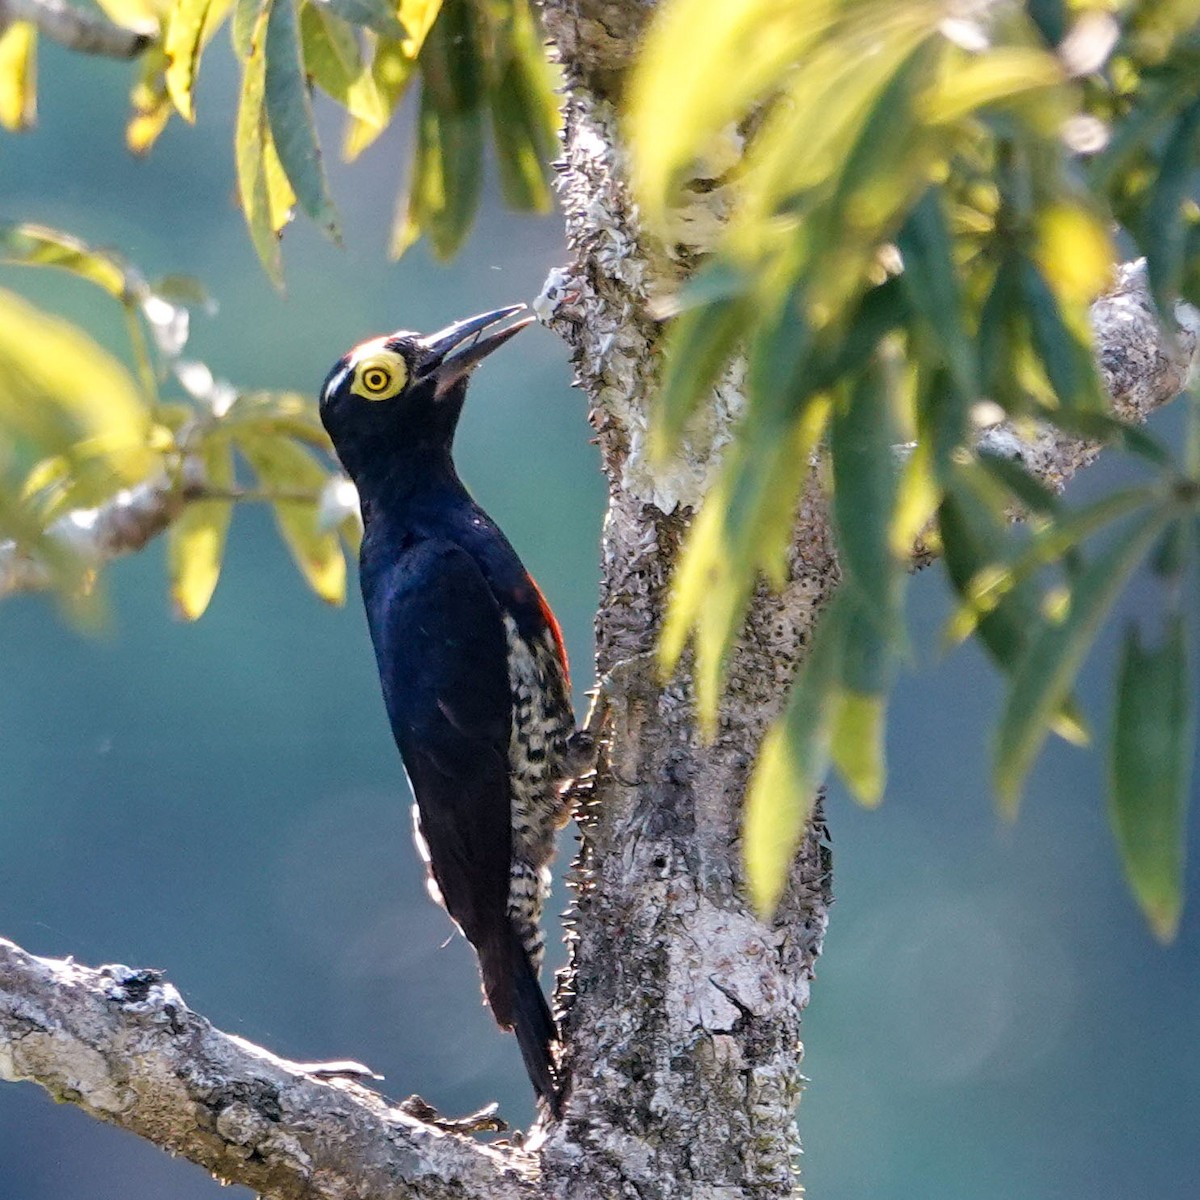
(96, 535)
(124, 1047)
(87, 33)
(1143, 367)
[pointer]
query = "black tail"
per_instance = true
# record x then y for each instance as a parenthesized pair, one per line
(516, 1000)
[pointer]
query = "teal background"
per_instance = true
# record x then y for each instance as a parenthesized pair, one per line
(991, 1019)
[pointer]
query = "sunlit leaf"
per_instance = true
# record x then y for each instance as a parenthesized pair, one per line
(295, 481)
(61, 389)
(446, 185)
(791, 764)
(1052, 660)
(1150, 766)
(392, 68)
(867, 671)
(993, 76)
(40, 246)
(18, 76)
(190, 26)
(196, 541)
(261, 186)
(290, 115)
(151, 103)
(334, 60)
(741, 531)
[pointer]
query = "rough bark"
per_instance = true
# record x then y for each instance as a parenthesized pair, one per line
(123, 1046)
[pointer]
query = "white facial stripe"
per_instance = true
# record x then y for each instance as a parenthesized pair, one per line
(337, 381)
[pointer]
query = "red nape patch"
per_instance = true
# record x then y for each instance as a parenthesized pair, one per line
(552, 623)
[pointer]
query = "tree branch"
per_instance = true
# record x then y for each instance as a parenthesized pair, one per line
(86, 33)
(1143, 367)
(95, 536)
(124, 1047)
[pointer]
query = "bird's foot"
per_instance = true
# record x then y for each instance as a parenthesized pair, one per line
(340, 1069)
(583, 745)
(483, 1121)
(614, 680)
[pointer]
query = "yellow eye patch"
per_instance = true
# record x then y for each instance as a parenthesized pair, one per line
(380, 376)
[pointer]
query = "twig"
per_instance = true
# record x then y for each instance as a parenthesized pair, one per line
(87, 33)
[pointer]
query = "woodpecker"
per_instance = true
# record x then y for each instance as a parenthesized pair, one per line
(470, 656)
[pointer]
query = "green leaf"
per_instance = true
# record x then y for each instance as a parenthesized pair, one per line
(379, 15)
(296, 478)
(190, 27)
(196, 541)
(867, 671)
(453, 59)
(1065, 353)
(699, 345)
(1056, 651)
(447, 180)
(1150, 765)
(290, 115)
(791, 764)
(862, 439)
(1163, 232)
(931, 281)
(18, 76)
(333, 58)
(990, 586)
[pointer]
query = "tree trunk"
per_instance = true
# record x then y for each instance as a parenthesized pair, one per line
(682, 1010)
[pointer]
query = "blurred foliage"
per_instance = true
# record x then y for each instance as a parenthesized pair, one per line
(924, 201)
(78, 428)
(481, 67)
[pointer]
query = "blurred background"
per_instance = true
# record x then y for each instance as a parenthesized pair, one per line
(991, 1018)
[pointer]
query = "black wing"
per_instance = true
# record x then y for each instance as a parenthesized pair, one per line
(443, 660)
(442, 655)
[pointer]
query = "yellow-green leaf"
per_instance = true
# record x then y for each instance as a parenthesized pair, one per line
(446, 183)
(262, 186)
(1150, 765)
(196, 541)
(18, 76)
(334, 60)
(150, 101)
(392, 68)
(40, 246)
(67, 394)
(791, 764)
(190, 26)
(289, 473)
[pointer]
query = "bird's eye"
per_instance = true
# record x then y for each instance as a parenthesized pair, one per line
(376, 379)
(380, 377)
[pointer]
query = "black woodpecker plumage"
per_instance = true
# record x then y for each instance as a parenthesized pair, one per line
(470, 657)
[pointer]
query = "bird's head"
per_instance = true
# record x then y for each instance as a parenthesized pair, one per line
(401, 394)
